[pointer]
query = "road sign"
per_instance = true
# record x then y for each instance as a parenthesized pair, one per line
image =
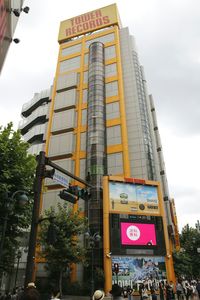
(62, 180)
(198, 250)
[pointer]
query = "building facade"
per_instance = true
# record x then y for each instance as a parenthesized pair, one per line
(98, 119)
(8, 23)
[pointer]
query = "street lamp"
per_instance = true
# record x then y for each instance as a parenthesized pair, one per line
(9, 203)
(19, 255)
(93, 239)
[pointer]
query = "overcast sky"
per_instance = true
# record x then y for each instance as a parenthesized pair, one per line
(167, 34)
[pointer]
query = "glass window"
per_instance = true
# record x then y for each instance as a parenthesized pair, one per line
(110, 52)
(70, 50)
(111, 89)
(115, 163)
(114, 135)
(112, 110)
(111, 70)
(83, 141)
(86, 59)
(85, 77)
(84, 117)
(103, 39)
(70, 64)
(85, 95)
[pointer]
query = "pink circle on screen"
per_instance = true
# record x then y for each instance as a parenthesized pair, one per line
(133, 233)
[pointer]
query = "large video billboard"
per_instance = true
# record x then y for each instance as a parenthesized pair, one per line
(138, 234)
(139, 269)
(134, 198)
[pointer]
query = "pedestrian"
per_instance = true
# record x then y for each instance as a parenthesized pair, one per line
(144, 292)
(153, 295)
(55, 295)
(179, 290)
(169, 292)
(130, 292)
(30, 293)
(7, 295)
(20, 292)
(98, 295)
(188, 290)
(162, 290)
(198, 288)
(116, 292)
(125, 292)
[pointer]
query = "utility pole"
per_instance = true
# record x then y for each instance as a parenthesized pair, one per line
(41, 173)
(30, 266)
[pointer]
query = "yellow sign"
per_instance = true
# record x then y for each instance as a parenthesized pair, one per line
(88, 22)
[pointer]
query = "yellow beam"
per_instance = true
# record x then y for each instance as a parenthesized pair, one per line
(106, 239)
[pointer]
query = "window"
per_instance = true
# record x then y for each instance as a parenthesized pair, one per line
(86, 59)
(112, 110)
(115, 163)
(112, 89)
(110, 52)
(84, 117)
(114, 135)
(111, 70)
(103, 39)
(70, 64)
(85, 77)
(85, 95)
(70, 50)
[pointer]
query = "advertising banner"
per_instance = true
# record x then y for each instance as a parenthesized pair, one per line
(135, 198)
(87, 22)
(138, 234)
(135, 270)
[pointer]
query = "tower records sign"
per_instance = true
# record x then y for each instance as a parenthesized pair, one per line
(87, 22)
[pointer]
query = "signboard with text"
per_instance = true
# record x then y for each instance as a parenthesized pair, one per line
(88, 22)
(134, 198)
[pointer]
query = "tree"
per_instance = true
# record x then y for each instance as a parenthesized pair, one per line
(59, 241)
(17, 170)
(186, 261)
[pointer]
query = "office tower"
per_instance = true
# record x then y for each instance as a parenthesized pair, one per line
(101, 120)
(9, 16)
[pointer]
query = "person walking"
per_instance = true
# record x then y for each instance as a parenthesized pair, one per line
(116, 292)
(30, 293)
(98, 295)
(198, 288)
(179, 290)
(55, 295)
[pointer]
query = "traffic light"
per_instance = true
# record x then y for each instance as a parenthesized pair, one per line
(49, 173)
(84, 194)
(71, 194)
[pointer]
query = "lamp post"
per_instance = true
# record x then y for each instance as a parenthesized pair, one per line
(9, 203)
(93, 239)
(19, 255)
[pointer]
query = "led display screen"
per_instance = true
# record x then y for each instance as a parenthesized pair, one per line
(138, 234)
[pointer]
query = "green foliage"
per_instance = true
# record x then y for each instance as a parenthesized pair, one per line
(67, 248)
(187, 260)
(17, 169)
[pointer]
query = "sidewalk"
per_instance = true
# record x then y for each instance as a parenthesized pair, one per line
(80, 298)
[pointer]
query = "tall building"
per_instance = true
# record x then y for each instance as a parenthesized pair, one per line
(9, 14)
(99, 118)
